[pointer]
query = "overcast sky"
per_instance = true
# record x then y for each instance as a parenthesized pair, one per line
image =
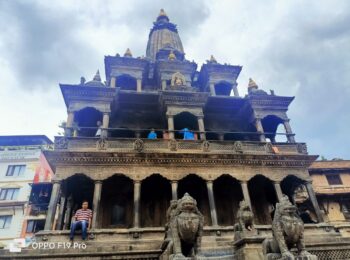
(298, 48)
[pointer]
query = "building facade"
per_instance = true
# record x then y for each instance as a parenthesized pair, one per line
(331, 182)
(160, 127)
(20, 163)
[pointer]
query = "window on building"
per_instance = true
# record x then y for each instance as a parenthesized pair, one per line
(5, 221)
(334, 180)
(34, 226)
(9, 194)
(15, 170)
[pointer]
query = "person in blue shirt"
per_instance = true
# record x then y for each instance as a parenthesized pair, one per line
(188, 135)
(152, 134)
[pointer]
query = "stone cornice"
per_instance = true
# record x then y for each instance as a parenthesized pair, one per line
(179, 160)
(83, 93)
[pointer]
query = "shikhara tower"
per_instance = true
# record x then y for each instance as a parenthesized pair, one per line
(130, 180)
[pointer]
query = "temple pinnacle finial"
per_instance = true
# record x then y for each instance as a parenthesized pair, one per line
(127, 53)
(212, 59)
(162, 13)
(97, 76)
(171, 56)
(252, 84)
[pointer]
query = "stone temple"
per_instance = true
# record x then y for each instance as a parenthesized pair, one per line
(212, 163)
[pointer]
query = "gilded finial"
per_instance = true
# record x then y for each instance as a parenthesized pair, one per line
(97, 77)
(252, 84)
(171, 56)
(162, 13)
(127, 53)
(212, 59)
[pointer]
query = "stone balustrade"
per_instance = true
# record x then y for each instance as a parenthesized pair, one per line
(81, 144)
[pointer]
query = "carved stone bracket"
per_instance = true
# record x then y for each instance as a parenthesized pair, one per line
(268, 148)
(102, 144)
(139, 145)
(302, 148)
(238, 147)
(172, 145)
(206, 146)
(61, 143)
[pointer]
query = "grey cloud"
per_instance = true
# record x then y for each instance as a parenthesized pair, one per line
(315, 54)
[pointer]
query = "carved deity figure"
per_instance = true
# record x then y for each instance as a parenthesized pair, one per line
(184, 229)
(178, 79)
(288, 232)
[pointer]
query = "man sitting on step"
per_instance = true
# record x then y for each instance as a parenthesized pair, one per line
(82, 219)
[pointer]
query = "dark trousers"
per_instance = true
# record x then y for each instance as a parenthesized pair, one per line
(79, 224)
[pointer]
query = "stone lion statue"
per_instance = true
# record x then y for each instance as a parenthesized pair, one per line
(288, 232)
(183, 230)
(245, 217)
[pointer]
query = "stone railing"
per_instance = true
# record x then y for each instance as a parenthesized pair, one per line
(181, 146)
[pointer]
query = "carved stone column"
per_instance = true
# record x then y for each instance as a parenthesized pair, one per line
(68, 212)
(245, 191)
(69, 124)
(260, 129)
(174, 190)
(235, 90)
(63, 200)
(289, 133)
(105, 124)
(113, 82)
(137, 193)
(278, 190)
(52, 205)
(96, 203)
(214, 219)
(139, 85)
(314, 201)
(171, 127)
(201, 127)
(212, 89)
(163, 84)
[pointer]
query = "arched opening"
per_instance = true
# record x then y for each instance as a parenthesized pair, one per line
(122, 132)
(270, 124)
(117, 202)
(197, 188)
(75, 197)
(185, 120)
(86, 120)
(223, 88)
(263, 198)
(296, 191)
(126, 82)
(211, 135)
(144, 134)
(155, 200)
(228, 194)
(232, 136)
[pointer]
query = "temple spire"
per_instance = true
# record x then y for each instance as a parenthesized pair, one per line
(127, 53)
(97, 76)
(162, 15)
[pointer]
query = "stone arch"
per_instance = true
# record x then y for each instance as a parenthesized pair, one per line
(294, 187)
(197, 188)
(223, 88)
(184, 120)
(227, 194)
(270, 124)
(75, 196)
(126, 82)
(86, 121)
(263, 198)
(155, 200)
(116, 207)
